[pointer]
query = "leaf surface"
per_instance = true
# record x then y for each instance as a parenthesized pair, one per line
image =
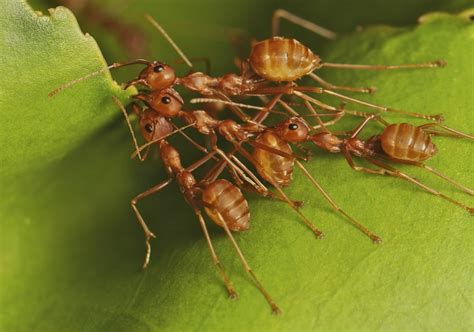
(71, 249)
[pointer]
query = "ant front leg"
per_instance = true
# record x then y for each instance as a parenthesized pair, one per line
(283, 14)
(331, 86)
(351, 163)
(306, 153)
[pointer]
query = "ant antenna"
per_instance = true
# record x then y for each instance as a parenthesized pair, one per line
(259, 108)
(144, 146)
(100, 71)
(124, 112)
(228, 102)
(168, 38)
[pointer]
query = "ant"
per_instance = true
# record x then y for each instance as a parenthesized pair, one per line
(222, 201)
(400, 143)
(273, 60)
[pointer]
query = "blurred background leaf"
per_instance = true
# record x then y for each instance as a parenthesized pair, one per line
(71, 249)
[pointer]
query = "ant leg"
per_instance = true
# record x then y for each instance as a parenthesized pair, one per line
(331, 86)
(396, 173)
(318, 118)
(359, 226)
(331, 108)
(135, 82)
(260, 186)
(281, 13)
(337, 116)
(275, 309)
(235, 109)
(351, 163)
(203, 59)
(270, 179)
(307, 153)
(228, 284)
(288, 108)
(434, 64)
(189, 139)
(178, 130)
(235, 167)
(261, 189)
(361, 126)
(444, 177)
(262, 115)
(383, 109)
(148, 234)
(268, 194)
(448, 131)
(436, 117)
(257, 183)
(270, 149)
(292, 90)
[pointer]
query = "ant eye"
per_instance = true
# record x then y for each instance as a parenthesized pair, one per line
(293, 126)
(166, 100)
(158, 69)
(149, 128)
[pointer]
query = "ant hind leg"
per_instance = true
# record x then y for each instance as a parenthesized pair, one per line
(281, 13)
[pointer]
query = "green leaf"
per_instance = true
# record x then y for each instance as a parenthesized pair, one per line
(71, 249)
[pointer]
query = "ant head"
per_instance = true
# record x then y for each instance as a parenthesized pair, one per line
(158, 75)
(154, 126)
(166, 102)
(293, 130)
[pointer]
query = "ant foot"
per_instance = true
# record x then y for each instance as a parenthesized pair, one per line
(275, 310)
(439, 63)
(437, 117)
(148, 236)
(232, 294)
(319, 235)
(376, 239)
(371, 89)
(298, 204)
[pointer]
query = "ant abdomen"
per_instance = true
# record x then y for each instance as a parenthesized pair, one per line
(270, 165)
(225, 202)
(282, 59)
(405, 142)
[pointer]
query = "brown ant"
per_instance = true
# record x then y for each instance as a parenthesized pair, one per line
(222, 201)
(401, 143)
(276, 59)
